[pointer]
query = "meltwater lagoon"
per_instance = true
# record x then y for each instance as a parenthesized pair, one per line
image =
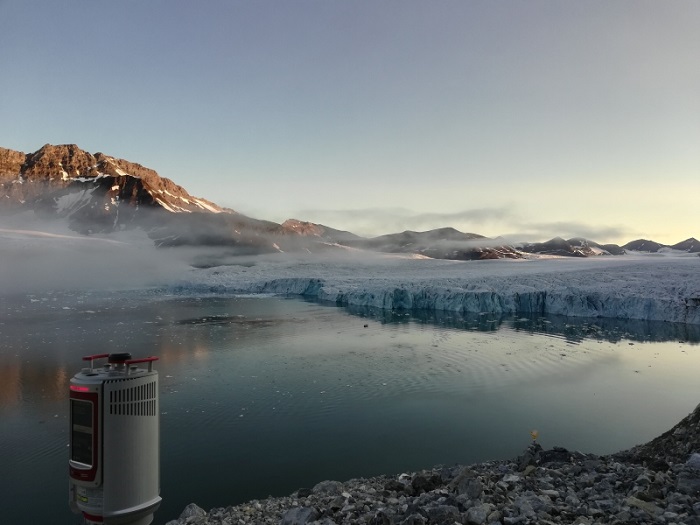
(262, 395)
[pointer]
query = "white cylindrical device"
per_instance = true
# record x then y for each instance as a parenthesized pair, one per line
(114, 465)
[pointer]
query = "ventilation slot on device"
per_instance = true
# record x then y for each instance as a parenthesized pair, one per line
(135, 401)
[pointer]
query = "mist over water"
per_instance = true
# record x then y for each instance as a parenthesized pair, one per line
(38, 256)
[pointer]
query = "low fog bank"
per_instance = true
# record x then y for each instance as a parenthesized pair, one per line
(333, 254)
(660, 287)
(41, 256)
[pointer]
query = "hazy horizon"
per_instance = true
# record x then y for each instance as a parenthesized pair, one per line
(56, 234)
(525, 120)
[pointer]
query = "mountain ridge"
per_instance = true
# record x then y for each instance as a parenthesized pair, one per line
(98, 193)
(26, 177)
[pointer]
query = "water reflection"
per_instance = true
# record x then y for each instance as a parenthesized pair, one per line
(285, 388)
(46, 333)
(40, 383)
(10, 386)
(572, 329)
(42, 335)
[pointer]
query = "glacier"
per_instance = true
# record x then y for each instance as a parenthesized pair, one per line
(655, 287)
(639, 286)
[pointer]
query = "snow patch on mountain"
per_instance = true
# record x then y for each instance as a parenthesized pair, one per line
(206, 206)
(71, 202)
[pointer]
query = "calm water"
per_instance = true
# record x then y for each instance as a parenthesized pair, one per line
(261, 396)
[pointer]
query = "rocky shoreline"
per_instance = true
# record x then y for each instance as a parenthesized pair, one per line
(657, 482)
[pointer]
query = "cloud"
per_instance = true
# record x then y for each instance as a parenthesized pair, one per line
(543, 231)
(505, 221)
(371, 222)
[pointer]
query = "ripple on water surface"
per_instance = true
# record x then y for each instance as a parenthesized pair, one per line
(308, 367)
(262, 396)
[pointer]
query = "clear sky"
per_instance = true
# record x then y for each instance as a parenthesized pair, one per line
(528, 119)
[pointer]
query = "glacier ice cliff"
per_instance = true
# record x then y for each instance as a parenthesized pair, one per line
(646, 288)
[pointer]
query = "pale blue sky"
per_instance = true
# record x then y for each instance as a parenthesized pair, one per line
(522, 118)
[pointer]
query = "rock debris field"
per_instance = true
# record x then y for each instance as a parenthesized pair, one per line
(658, 482)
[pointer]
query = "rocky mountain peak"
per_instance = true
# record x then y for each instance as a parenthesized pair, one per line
(691, 245)
(66, 161)
(302, 227)
(316, 231)
(10, 163)
(643, 245)
(54, 171)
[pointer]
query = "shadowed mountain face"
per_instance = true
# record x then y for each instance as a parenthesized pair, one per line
(102, 194)
(294, 227)
(644, 245)
(443, 243)
(575, 247)
(691, 245)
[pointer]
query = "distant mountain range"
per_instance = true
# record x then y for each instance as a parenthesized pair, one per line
(102, 194)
